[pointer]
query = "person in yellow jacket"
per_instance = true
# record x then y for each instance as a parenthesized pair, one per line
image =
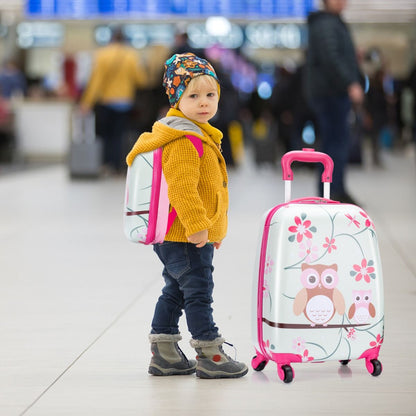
(198, 191)
(115, 78)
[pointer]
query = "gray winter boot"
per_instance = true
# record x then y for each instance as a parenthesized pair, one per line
(214, 363)
(168, 359)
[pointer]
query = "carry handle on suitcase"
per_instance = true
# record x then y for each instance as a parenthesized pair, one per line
(310, 156)
(83, 127)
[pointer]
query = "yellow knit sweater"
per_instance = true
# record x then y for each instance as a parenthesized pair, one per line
(197, 186)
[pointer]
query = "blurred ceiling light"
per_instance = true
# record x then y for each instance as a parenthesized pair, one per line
(264, 90)
(218, 26)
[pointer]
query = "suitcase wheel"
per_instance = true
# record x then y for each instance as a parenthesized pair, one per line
(285, 373)
(345, 362)
(374, 367)
(258, 363)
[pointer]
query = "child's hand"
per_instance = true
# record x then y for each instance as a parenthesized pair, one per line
(200, 238)
(217, 244)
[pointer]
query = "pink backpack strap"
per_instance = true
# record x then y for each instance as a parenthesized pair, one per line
(197, 142)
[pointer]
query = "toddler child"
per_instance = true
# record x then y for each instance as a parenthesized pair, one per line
(197, 189)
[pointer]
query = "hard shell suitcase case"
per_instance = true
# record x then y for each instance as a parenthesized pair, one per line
(147, 213)
(86, 150)
(318, 291)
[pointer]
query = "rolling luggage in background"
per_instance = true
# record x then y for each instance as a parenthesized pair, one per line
(318, 286)
(86, 150)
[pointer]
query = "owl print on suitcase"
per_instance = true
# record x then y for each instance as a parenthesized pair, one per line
(319, 298)
(318, 287)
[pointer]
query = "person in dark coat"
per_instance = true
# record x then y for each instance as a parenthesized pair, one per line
(333, 83)
(411, 83)
(376, 107)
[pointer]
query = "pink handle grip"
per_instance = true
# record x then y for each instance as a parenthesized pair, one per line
(307, 155)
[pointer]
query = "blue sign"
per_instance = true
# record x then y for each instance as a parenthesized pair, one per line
(85, 9)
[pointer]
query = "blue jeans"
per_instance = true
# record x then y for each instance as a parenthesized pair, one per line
(188, 286)
(332, 116)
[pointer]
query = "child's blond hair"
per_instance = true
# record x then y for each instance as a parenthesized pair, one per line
(200, 80)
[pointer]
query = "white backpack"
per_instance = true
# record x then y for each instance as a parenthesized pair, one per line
(147, 216)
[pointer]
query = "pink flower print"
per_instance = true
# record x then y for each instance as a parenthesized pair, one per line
(302, 228)
(266, 289)
(298, 344)
(308, 252)
(268, 267)
(377, 342)
(329, 244)
(142, 234)
(368, 222)
(306, 357)
(353, 220)
(363, 271)
(351, 334)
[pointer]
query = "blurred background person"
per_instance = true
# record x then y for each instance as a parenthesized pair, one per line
(228, 106)
(411, 82)
(6, 130)
(333, 83)
(12, 80)
(284, 99)
(12, 84)
(376, 113)
(116, 75)
(182, 45)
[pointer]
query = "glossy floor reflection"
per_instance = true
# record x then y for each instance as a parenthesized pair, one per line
(76, 300)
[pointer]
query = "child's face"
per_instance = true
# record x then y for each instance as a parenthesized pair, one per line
(199, 101)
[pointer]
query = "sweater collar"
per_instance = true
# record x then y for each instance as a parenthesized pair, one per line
(214, 133)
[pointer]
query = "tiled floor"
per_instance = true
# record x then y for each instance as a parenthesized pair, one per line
(76, 300)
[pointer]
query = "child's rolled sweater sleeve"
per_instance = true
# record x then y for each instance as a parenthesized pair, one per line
(181, 167)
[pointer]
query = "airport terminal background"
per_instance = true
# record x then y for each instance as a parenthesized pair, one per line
(75, 309)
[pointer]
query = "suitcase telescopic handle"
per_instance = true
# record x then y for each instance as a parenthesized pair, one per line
(310, 156)
(307, 155)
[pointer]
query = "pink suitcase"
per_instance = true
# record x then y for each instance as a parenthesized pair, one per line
(318, 284)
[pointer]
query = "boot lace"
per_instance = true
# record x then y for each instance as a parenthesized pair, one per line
(235, 351)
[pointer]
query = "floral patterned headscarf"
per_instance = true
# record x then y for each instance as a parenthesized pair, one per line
(179, 70)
